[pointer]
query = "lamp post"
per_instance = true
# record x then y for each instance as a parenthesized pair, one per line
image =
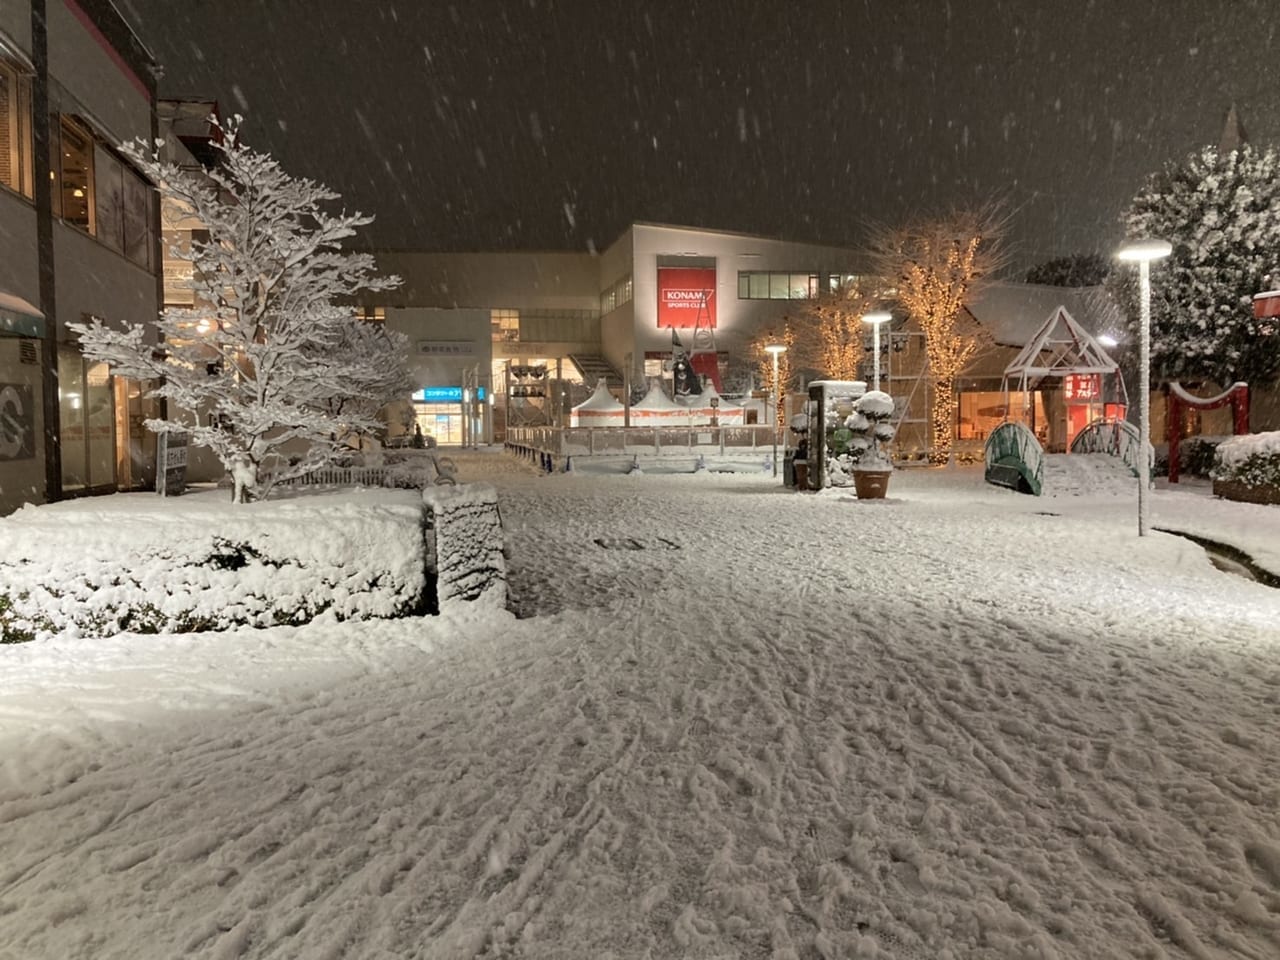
(1142, 252)
(776, 349)
(875, 319)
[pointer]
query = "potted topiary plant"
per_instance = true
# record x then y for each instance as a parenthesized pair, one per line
(871, 431)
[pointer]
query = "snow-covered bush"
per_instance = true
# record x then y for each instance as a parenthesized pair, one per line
(1252, 460)
(140, 564)
(871, 431)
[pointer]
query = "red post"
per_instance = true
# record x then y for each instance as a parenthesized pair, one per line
(1173, 431)
(1240, 407)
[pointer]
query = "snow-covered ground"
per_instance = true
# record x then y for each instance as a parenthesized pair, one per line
(732, 721)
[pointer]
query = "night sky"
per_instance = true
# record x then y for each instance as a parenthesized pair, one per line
(530, 124)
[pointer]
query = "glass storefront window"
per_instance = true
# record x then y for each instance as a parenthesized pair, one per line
(77, 177)
(981, 411)
(108, 181)
(100, 426)
(138, 198)
(71, 407)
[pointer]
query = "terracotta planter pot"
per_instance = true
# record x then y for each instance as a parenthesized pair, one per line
(871, 484)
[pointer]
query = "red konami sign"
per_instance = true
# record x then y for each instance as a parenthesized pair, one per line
(684, 293)
(1267, 305)
(1081, 387)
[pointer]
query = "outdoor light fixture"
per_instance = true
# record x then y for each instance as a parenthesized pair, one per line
(776, 349)
(875, 319)
(1107, 340)
(1142, 252)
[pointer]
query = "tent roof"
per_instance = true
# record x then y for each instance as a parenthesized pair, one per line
(601, 399)
(1060, 347)
(656, 399)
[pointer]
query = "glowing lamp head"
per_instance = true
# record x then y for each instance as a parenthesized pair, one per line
(877, 317)
(1144, 251)
(776, 348)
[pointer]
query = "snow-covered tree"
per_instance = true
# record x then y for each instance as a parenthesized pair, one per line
(1221, 213)
(267, 369)
(376, 373)
(938, 266)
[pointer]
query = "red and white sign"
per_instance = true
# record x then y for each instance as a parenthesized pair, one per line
(1266, 305)
(684, 293)
(1081, 387)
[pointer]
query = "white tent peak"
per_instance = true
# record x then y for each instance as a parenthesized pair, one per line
(656, 399)
(600, 400)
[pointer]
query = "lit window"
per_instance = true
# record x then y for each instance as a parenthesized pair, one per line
(505, 325)
(77, 177)
(15, 130)
(371, 314)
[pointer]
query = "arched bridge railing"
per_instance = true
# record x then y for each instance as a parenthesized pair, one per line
(1014, 458)
(1116, 437)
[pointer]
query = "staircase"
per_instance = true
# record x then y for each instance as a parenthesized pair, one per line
(593, 367)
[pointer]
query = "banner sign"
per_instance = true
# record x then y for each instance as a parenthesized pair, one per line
(684, 295)
(443, 395)
(447, 348)
(1081, 387)
(171, 464)
(17, 422)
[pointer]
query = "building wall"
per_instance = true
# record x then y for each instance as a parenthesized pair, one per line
(21, 471)
(82, 62)
(18, 268)
(98, 73)
(432, 331)
(15, 21)
(737, 321)
(491, 280)
(93, 279)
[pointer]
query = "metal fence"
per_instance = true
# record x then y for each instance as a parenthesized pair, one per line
(651, 441)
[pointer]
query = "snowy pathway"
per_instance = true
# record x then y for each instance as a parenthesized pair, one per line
(747, 724)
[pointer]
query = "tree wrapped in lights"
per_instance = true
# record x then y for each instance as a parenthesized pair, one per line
(268, 368)
(829, 334)
(765, 362)
(938, 266)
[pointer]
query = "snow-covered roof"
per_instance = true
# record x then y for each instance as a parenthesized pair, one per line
(656, 399)
(20, 316)
(601, 400)
(1014, 312)
(1060, 347)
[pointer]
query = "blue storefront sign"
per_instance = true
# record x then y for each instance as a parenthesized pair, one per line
(443, 395)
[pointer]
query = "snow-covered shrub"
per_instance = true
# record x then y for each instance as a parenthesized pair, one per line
(1252, 460)
(871, 431)
(139, 564)
(1197, 455)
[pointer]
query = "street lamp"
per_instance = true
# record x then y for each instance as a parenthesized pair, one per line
(875, 319)
(1142, 252)
(776, 349)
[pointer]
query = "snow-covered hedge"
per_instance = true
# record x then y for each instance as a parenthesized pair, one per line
(138, 563)
(1248, 468)
(1252, 459)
